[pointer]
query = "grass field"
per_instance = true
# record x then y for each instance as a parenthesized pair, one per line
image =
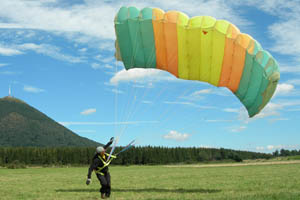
(274, 181)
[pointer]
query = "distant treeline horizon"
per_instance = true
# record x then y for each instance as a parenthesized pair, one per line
(135, 156)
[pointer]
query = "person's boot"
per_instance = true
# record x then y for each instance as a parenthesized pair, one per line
(103, 196)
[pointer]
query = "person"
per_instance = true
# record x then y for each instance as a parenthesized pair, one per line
(100, 166)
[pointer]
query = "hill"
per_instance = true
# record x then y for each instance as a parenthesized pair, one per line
(23, 125)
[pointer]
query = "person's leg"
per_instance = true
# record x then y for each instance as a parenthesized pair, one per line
(107, 176)
(103, 183)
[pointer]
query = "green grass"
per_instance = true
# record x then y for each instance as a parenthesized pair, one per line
(156, 182)
(288, 158)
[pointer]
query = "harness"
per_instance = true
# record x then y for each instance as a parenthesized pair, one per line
(105, 164)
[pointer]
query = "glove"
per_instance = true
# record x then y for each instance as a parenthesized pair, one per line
(88, 181)
(112, 139)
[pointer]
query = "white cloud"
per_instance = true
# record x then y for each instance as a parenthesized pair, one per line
(88, 111)
(8, 72)
(93, 19)
(189, 104)
(260, 148)
(200, 94)
(294, 81)
(51, 51)
(108, 123)
(9, 51)
(294, 109)
(197, 95)
(107, 59)
(147, 102)
(45, 49)
(286, 36)
(174, 135)
(116, 91)
(289, 68)
(284, 89)
(271, 109)
(31, 89)
(285, 32)
(99, 66)
(278, 119)
(273, 147)
(95, 65)
(278, 147)
(218, 120)
(143, 85)
(90, 19)
(234, 110)
(140, 75)
(107, 66)
(286, 103)
(238, 129)
(3, 64)
(82, 50)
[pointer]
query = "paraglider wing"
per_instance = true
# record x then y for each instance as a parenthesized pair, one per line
(199, 48)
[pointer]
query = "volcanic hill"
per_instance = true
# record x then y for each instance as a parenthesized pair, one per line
(23, 125)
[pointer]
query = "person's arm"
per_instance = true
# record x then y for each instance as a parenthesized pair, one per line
(109, 143)
(93, 166)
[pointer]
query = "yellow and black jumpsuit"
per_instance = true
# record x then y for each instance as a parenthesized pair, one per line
(100, 166)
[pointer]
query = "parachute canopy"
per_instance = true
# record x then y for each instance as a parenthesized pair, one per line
(198, 48)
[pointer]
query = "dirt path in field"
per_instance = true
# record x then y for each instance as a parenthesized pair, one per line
(239, 164)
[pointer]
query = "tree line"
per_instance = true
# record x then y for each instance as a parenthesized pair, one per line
(136, 155)
(285, 152)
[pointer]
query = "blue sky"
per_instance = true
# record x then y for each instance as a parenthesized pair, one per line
(59, 57)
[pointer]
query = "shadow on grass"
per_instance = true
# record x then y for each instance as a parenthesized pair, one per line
(160, 190)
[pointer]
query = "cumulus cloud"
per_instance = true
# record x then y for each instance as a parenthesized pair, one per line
(284, 89)
(140, 75)
(93, 18)
(271, 109)
(285, 32)
(32, 89)
(174, 135)
(6, 51)
(88, 111)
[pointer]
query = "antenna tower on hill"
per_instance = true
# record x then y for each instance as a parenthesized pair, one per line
(9, 91)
